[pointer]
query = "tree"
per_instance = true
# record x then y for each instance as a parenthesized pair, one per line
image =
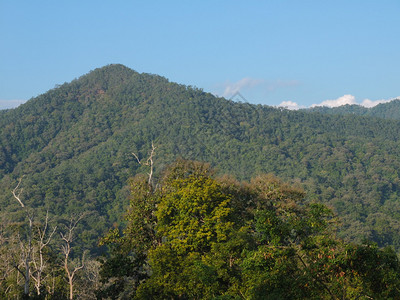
(71, 267)
(193, 217)
(44, 237)
(149, 162)
(127, 265)
(204, 237)
(26, 248)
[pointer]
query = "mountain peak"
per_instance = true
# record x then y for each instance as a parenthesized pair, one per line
(109, 75)
(114, 68)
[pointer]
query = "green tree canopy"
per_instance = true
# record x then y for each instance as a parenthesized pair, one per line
(206, 237)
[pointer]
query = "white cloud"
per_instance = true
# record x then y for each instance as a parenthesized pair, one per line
(350, 99)
(5, 104)
(290, 105)
(369, 103)
(232, 88)
(346, 99)
(228, 88)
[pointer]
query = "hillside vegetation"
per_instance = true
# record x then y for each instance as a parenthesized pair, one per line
(390, 110)
(204, 237)
(74, 145)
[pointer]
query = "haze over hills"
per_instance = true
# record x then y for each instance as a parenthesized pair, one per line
(74, 145)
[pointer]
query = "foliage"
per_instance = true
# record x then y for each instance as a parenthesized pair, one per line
(284, 248)
(388, 110)
(74, 143)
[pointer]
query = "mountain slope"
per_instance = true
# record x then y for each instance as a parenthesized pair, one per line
(74, 145)
(389, 110)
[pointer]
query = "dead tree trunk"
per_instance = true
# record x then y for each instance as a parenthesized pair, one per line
(149, 162)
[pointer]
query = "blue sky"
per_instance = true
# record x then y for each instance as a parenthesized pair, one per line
(291, 53)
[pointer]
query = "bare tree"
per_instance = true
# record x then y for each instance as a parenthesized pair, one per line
(26, 249)
(149, 162)
(39, 264)
(89, 280)
(29, 258)
(71, 267)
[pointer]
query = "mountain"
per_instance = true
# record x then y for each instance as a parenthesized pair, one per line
(389, 110)
(74, 146)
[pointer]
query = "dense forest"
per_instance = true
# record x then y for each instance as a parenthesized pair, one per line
(73, 149)
(194, 235)
(390, 110)
(206, 237)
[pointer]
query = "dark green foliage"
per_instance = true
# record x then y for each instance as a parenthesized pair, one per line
(74, 145)
(390, 110)
(121, 274)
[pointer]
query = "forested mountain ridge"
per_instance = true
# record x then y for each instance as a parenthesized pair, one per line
(74, 145)
(389, 110)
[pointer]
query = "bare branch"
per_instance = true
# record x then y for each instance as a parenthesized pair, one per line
(27, 251)
(66, 249)
(42, 233)
(149, 162)
(19, 270)
(73, 223)
(17, 192)
(39, 262)
(137, 158)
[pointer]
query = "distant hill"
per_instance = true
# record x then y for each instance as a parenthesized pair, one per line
(74, 147)
(389, 110)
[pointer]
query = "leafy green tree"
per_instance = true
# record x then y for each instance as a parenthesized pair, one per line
(193, 217)
(203, 237)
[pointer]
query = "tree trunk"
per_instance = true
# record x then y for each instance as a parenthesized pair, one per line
(71, 289)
